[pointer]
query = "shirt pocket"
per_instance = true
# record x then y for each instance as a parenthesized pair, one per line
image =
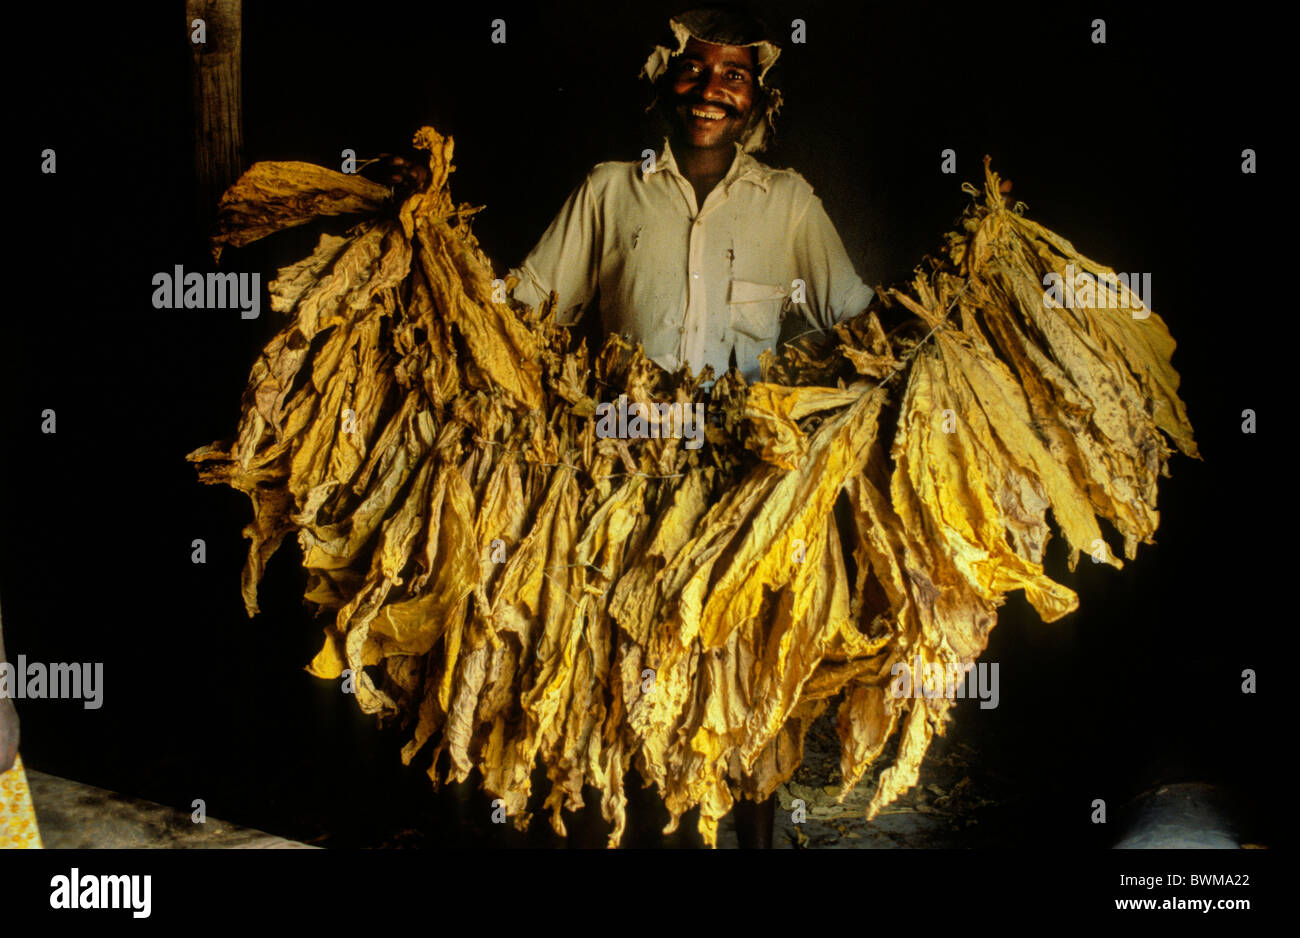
(756, 308)
(755, 320)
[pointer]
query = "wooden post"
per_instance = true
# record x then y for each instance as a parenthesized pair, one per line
(217, 98)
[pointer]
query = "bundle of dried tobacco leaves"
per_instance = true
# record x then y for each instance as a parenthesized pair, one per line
(523, 589)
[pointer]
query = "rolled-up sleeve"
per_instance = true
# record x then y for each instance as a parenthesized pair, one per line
(835, 291)
(564, 259)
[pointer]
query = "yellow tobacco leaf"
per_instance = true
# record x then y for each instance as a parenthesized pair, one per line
(274, 196)
(865, 721)
(946, 451)
(903, 774)
(533, 595)
(772, 412)
(798, 507)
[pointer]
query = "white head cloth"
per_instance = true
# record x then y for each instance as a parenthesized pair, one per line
(712, 26)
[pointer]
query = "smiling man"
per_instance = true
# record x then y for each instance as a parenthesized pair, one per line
(701, 251)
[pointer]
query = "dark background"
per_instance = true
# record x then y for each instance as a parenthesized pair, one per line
(1131, 150)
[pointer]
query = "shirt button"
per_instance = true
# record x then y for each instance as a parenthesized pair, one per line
(696, 276)
(681, 330)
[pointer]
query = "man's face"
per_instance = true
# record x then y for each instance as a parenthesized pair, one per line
(712, 91)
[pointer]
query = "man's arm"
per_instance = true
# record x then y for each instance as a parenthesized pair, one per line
(564, 259)
(835, 291)
(8, 720)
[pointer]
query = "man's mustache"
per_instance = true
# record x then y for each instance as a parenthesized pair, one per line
(701, 103)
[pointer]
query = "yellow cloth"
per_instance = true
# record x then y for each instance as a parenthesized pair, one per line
(18, 828)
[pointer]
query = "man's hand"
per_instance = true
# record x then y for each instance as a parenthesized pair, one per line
(8, 734)
(402, 175)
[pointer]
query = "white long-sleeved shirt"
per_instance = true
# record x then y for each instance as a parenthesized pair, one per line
(693, 282)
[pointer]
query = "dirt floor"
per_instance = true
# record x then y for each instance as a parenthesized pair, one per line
(952, 807)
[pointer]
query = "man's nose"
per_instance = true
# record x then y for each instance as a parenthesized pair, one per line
(713, 88)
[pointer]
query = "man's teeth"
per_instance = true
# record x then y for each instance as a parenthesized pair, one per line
(708, 115)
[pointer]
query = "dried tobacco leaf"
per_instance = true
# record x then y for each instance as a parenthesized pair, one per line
(273, 196)
(530, 592)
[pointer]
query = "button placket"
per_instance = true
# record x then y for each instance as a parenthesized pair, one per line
(694, 330)
(689, 328)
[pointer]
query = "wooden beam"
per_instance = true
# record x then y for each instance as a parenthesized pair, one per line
(218, 129)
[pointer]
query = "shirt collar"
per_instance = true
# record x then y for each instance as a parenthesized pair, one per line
(743, 168)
